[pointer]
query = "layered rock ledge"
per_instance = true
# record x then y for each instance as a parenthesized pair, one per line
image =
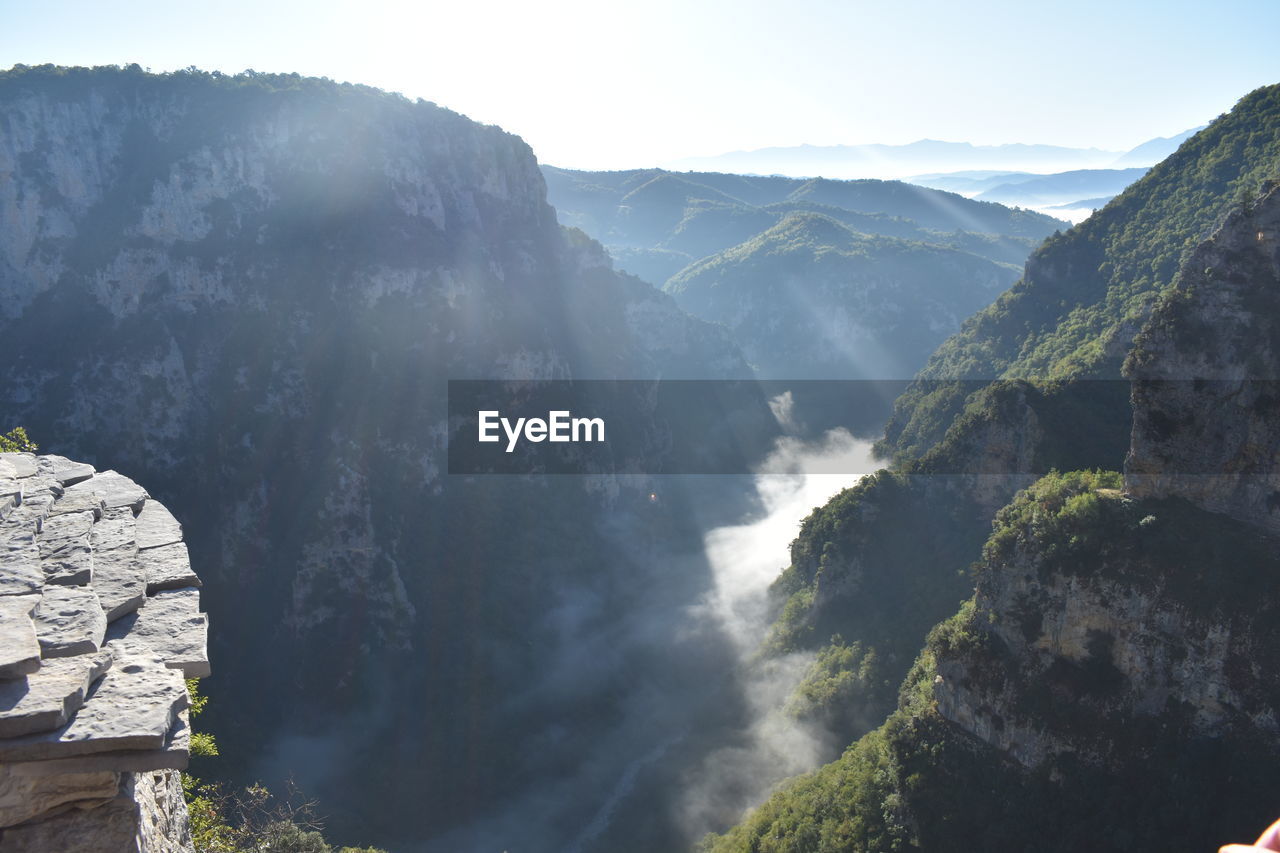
(100, 623)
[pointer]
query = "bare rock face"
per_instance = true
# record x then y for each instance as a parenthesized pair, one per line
(1206, 376)
(1151, 610)
(1147, 626)
(93, 720)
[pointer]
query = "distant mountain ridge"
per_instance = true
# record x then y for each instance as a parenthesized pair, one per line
(875, 273)
(813, 298)
(878, 160)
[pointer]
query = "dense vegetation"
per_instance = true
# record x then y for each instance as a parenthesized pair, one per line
(1087, 291)
(921, 782)
(871, 571)
(655, 223)
(803, 297)
(811, 298)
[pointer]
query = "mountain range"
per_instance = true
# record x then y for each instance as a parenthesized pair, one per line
(1094, 454)
(1046, 623)
(813, 279)
(927, 155)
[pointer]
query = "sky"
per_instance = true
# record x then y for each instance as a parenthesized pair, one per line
(599, 84)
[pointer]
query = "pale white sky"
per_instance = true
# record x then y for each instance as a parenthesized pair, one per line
(599, 84)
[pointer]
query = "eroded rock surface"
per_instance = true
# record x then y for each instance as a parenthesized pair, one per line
(93, 707)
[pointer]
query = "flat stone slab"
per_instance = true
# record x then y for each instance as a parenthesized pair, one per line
(72, 501)
(31, 513)
(19, 647)
(156, 526)
(63, 469)
(167, 567)
(116, 529)
(42, 485)
(24, 464)
(133, 707)
(169, 626)
(8, 500)
(48, 698)
(65, 557)
(20, 559)
(69, 621)
(71, 566)
(114, 488)
(174, 755)
(118, 577)
(120, 582)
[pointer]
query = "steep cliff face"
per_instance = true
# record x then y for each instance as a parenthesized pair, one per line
(252, 291)
(1111, 684)
(1087, 292)
(1112, 625)
(99, 622)
(1205, 374)
(1103, 625)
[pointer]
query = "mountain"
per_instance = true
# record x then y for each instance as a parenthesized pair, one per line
(250, 292)
(1073, 195)
(811, 298)
(1103, 687)
(1087, 292)
(1062, 187)
(1154, 150)
(897, 161)
(1108, 684)
(715, 239)
(1090, 203)
(970, 182)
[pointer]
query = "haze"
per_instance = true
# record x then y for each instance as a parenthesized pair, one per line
(628, 84)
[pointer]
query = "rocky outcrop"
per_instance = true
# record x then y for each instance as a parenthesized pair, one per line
(1101, 614)
(99, 624)
(1089, 652)
(1206, 376)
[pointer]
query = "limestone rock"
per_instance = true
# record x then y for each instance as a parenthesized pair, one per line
(115, 490)
(69, 621)
(170, 626)
(91, 738)
(19, 647)
(156, 526)
(118, 576)
(167, 567)
(24, 464)
(94, 826)
(47, 698)
(1206, 415)
(134, 708)
(64, 470)
(72, 501)
(120, 581)
(23, 797)
(65, 557)
(20, 559)
(174, 755)
(117, 529)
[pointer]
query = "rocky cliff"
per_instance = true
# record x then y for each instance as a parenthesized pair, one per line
(99, 623)
(1112, 683)
(1110, 625)
(1205, 373)
(260, 286)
